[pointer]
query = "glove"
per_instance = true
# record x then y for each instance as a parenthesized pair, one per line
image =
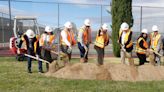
(69, 50)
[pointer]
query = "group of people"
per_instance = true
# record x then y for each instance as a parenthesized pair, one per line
(144, 47)
(45, 43)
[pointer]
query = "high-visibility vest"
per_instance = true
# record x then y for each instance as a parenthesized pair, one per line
(35, 43)
(154, 40)
(70, 38)
(126, 38)
(138, 48)
(86, 36)
(46, 39)
(101, 40)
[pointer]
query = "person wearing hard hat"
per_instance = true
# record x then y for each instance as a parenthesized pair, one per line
(84, 40)
(32, 45)
(46, 44)
(67, 40)
(163, 45)
(155, 43)
(102, 40)
(142, 46)
(125, 40)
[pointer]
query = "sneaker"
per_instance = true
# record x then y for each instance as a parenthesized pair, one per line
(41, 72)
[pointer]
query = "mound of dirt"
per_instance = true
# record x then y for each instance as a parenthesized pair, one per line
(108, 71)
(82, 71)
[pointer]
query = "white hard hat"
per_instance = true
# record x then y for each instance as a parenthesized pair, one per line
(30, 33)
(48, 29)
(68, 24)
(144, 31)
(154, 28)
(87, 22)
(104, 26)
(124, 26)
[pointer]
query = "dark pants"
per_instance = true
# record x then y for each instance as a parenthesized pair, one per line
(82, 50)
(31, 52)
(47, 56)
(100, 54)
(64, 49)
(142, 58)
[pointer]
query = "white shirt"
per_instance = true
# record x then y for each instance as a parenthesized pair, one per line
(123, 38)
(80, 36)
(64, 37)
(46, 39)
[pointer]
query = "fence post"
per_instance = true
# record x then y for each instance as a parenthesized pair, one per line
(101, 14)
(141, 19)
(58, 32)
(3, 39)
(9, 1)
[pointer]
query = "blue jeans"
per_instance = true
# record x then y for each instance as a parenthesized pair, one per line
(82, 50)
(29, 64)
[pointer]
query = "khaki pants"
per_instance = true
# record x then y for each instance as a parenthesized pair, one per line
(126, 55)
(153, 58)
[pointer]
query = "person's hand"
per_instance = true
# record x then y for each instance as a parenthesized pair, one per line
(123, 46)
(37, 57)
(148, 50)
(18, 51)
(69, 50)
(118, 41)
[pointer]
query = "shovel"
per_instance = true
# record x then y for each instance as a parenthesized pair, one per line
(86, 51)
(156, 53)
(61, 54)
(36, 58)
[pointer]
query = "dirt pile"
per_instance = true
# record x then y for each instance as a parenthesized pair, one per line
(82, 71)
(108, 71)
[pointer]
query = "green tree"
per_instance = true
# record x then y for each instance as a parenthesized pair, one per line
(121, 12)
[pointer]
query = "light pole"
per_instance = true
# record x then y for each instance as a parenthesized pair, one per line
(9, 13)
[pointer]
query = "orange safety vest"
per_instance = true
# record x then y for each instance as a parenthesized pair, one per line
(126, 38)
(70, 38)
(44, 41)
(101, 40)
(138, 48)
(154, 40)
(86, 35)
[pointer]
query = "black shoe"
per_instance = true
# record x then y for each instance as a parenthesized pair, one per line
(141, 63)
(41, 72)
(146, 61)
(29, 72)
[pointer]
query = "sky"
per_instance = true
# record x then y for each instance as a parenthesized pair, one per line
(47, 13)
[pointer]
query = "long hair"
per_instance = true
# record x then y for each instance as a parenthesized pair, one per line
(51, 33)
(141, 35)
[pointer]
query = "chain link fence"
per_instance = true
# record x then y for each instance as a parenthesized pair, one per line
(56, 14)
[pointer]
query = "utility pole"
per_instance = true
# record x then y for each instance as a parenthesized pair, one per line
(9, 2)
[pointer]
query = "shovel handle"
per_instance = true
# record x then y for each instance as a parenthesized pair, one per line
(36, 58)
